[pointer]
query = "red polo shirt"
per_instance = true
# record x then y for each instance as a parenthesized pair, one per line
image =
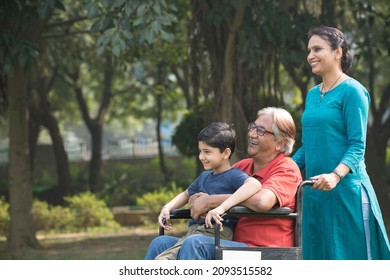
(282, 176)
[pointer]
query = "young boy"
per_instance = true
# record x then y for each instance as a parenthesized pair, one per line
(216, 146)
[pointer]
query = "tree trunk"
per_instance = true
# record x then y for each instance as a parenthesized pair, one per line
(21, 231)
(61, 157)
(95, 164)
(375, 167)
(159, 113)
(224, 107)
(50, 122)
(95, 125)
(378, 135)
(163, 167)
(41, 115)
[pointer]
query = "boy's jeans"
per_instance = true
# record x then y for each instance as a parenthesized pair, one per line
(195, 247)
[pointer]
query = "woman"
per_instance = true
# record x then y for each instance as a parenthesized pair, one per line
(341, 214)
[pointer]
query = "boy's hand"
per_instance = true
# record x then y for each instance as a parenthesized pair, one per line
(214, 214)
(164, 215)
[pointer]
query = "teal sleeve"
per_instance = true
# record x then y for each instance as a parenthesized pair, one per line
(355, 114)
(299, 158)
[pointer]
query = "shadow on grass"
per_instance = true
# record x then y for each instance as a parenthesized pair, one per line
(127, 244)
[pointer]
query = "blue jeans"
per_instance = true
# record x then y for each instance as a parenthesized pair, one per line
(195, 247)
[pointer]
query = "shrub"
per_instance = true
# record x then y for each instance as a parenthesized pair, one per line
(41, 215)
(85, 211)
(90, 211)
(154, 201)
(124, 182)
(49, 218)
(127, 181)
(63, 219)
(4, 217)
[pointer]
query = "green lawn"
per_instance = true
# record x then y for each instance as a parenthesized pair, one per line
(126, 244)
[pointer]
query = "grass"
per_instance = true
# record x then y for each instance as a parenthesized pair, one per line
(129, 243)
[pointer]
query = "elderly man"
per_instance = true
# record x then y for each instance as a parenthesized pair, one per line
(270, 141)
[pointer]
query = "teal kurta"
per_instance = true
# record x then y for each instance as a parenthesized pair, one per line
(333, 131)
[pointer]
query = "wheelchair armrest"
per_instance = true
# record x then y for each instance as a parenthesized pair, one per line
(176, 214)
(234, 211)
(244, 211)
(180, 214)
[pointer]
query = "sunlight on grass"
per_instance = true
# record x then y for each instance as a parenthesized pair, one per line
(127, 243)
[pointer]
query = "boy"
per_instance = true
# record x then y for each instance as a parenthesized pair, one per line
(216, 146)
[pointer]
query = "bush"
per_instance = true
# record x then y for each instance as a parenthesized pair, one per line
(91, 212)
(154, 201)
(41, 215)
(124, 182)
(49, 218)
(4, 217)
(85, 212)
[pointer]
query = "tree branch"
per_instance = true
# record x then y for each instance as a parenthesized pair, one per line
(50, 35)
(67, 22)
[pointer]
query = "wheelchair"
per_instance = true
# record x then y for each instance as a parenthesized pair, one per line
(263, 253)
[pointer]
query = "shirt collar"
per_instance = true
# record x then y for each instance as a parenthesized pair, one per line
(263, 172)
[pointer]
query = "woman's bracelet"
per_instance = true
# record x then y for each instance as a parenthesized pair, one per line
(338, 174)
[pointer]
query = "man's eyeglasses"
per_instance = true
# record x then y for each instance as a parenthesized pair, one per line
(259, 129)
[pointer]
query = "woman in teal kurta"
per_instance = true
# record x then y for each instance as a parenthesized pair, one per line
(341, 214)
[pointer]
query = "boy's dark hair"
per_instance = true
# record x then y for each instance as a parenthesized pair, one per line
(219, 135)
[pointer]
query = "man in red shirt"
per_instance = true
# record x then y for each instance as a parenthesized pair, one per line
(279, 181)
(270, 141)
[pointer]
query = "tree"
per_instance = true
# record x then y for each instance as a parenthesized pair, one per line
(372, 64)
(128, 24)
(224, 95)
(244, 55)
(21, 26)
(43, 91)
(125, 24)
(41, 114)
(94, 124)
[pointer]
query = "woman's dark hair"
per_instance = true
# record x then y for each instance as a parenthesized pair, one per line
(336, 40)
(219, 135)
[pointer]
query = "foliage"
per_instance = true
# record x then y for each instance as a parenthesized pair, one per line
(79, 176)
(154, 201)
(387, 166)
(13, 47)
(126, 181)
(4, 217)
(272, 37)
(52, 218)
(44, 182)
(126, 23)
(84, 212)
(3, 187)
(90, 211)
(296, 115)
(185, 137)
(188, 171)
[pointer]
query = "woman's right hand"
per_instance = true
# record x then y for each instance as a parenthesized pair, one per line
(325, 182)
(164, 215)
